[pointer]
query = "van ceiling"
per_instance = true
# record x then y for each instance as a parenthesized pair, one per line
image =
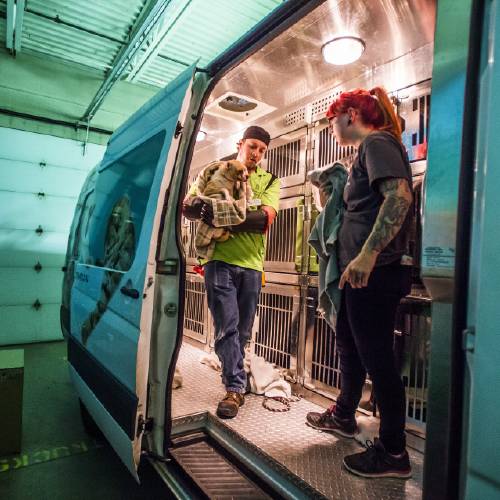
(57, 53)
(290, 70)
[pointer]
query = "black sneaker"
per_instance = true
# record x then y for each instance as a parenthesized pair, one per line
(376, 462)
(328, 421)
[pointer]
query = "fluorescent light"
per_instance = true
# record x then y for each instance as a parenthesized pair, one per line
(201, 136)
(343, 50)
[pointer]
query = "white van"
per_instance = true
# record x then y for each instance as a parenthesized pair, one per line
(133, 308)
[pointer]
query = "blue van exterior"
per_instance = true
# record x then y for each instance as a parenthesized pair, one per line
(122, 292)
(108, 289)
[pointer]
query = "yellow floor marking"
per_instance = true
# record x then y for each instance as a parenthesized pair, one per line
(14, 462)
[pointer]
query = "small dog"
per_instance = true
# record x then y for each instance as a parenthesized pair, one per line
(223, 181)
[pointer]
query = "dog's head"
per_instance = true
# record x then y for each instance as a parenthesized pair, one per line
(236, 171)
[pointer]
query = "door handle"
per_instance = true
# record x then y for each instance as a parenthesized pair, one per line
(130, 292)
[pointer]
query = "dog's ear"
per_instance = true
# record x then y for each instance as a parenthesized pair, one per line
(231, 170)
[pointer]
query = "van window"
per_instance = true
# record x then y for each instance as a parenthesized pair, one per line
(121, 197)
(83, 221)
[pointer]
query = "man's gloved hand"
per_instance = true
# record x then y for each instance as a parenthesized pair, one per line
(207, 214)
(193, 211)
(255, 222)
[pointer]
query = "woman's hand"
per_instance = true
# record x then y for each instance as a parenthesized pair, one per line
(358, 270)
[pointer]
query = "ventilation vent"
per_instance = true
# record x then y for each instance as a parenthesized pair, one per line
(294, 117)
(319, 107)
(237, 107)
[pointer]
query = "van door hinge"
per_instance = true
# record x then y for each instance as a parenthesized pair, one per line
(144, 426)
(469, 339)
(178, 129)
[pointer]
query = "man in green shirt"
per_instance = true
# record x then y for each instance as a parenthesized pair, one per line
(233, 276)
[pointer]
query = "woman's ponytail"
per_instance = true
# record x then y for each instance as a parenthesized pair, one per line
(374, 105)
(391, 121)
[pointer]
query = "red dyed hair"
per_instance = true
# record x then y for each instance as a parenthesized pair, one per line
(374, 107)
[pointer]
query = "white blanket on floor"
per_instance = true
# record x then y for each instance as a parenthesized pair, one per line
(264, 377)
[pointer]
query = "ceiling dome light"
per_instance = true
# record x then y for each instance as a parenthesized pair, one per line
(343, 50)
(201, 136)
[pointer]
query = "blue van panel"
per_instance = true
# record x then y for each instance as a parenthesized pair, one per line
(150, 118)
(113, 339)
(119, 401)
(111, 234)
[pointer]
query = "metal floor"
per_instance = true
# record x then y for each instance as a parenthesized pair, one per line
(313, 455)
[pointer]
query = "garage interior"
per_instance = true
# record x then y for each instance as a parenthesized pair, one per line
(70, 74)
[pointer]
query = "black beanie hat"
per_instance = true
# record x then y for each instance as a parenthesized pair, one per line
(259, 133)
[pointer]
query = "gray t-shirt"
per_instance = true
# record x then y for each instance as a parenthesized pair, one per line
(380, 156)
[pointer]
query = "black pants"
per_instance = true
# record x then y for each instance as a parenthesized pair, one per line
(365, 328)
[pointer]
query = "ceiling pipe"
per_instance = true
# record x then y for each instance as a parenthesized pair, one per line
(152, 14)
(11, 16)
(18, 30)
(143, 60)
(14, 27)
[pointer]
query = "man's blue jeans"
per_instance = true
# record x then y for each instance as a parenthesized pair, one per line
(233, 294)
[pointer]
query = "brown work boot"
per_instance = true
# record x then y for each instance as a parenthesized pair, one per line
(328, 421)
(228, 407)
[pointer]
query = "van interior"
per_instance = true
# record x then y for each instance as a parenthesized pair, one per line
(286, 88)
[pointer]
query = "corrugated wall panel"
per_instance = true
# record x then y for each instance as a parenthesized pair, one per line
(25, 248)
(51, 180)
(110, 17)
(3, 24)
(27, 212)
(24, 324)
(40, 178)
(46, 283)
(188, 40)
(42, 35)
(93, 32)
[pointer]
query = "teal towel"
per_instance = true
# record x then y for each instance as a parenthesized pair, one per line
(323, 238)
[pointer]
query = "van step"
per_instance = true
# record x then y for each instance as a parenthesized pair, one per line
(213, 473)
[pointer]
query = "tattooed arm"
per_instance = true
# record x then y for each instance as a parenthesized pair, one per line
(392, 213)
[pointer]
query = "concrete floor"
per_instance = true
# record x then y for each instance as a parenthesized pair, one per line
(59, 460)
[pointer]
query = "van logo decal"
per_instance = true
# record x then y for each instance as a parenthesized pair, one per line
(119, 251)
(82, 276)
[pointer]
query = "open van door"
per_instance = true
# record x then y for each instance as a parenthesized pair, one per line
(113, 289)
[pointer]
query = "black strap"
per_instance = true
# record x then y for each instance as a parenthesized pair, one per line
(271, 180)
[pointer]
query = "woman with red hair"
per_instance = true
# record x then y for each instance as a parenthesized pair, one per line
(372, 254)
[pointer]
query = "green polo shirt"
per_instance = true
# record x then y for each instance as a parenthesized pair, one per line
(249, 249)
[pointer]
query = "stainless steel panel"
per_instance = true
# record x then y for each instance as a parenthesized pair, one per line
(321, 357)
(327, 150)
(414, 108)
(278, 316)
(196, 315)
(314, 456)
(414, 329)
(286, 157)
(411, 348)
(188, 229)
(284, 240)
(211, 471)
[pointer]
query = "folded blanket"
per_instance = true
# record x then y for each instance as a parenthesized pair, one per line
(323, 238)
(227, 212)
